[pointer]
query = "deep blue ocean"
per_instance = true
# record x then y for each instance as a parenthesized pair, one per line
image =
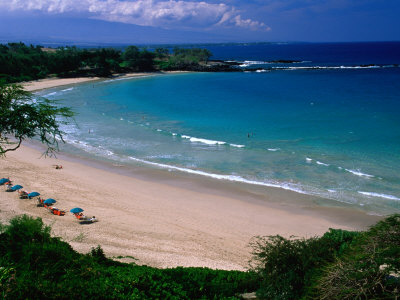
(327, 125)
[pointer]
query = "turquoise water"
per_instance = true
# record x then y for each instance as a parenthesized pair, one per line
(331, 132)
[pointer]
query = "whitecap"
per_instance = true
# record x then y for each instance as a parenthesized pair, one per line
(385, 196)
(237, 146)
(333, 67)
(234, 178)
(273, 149)
(50, 94)
(66, 90)
(322, 164)
(308, 159)
(159, 130)
(248, 63)
(205, 141)
(358, 173)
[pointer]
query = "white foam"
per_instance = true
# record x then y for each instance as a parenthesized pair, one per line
(89, 148)
(248, 63)
(273, 149)
(308, 159)
(322, 164)
(121, 119)
(205, 141)
(234, 178)
(66, 90)
(332, 191)
(237, 146)
(358, 173)
(333, 67)
(385, 196)
(261, 71)
(159, 130)
(174, 134)
(50, 94)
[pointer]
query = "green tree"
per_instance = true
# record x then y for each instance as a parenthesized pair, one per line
(23, 117)
(138, 60)
(131, 56)
(161, 52)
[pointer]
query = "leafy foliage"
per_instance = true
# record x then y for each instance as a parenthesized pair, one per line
(369, 268)
(35, 265)
(289, 266)
(19, 62)
(23, 117)
(182, 58)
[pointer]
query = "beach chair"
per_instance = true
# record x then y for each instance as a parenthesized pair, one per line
(40, 202)
(80, 216)
(93, 219)
(58, 212)
(89, 220)
(23, 194)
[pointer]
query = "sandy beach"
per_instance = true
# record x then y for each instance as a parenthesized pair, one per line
(165, 220)
(48, 83)
(157, 223)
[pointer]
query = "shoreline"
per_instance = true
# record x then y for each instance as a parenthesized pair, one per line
(47, 83)
(163, 219)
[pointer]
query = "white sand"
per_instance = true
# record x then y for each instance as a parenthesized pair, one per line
(159, 224)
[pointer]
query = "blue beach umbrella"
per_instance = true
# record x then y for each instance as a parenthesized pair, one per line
(33, 194)
(76, 210)
(16, 187)
(4, 180)
(49, 201)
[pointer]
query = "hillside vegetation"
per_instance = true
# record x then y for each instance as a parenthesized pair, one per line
(338, 265)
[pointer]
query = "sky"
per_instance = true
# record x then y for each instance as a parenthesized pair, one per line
(190, 21)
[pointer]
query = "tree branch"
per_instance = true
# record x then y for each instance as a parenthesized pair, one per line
(13, 149)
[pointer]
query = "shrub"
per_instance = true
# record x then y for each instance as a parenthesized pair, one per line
(34, 265)
(288, 267)
(369, 268)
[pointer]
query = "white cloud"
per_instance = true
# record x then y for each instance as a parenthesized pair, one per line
(160, 13)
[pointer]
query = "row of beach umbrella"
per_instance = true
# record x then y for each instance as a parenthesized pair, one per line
(49, 201)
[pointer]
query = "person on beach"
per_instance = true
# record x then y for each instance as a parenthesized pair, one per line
(58, 167)
(9, 186)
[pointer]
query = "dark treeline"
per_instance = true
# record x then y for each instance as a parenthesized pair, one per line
(19, 62)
